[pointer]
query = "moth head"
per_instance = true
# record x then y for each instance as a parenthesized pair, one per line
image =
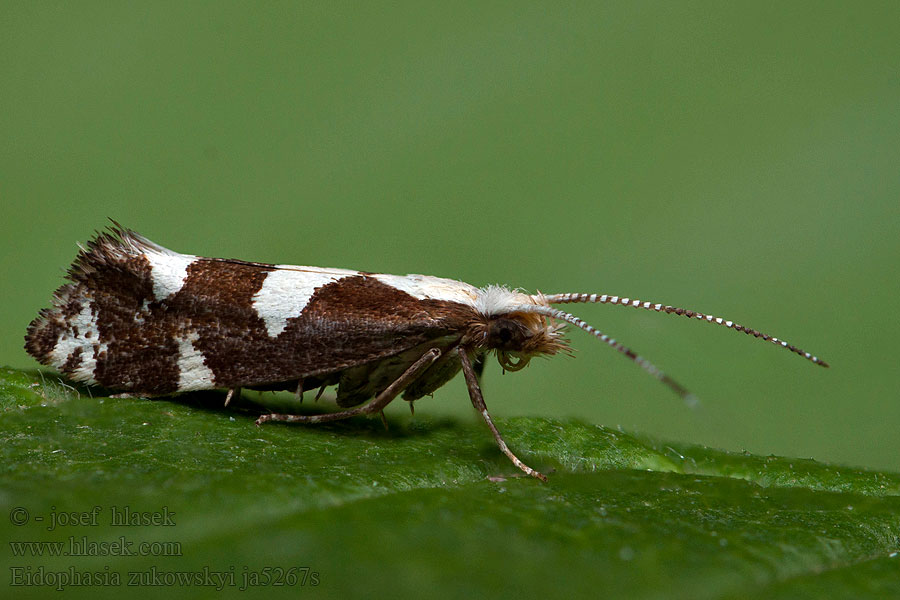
(510, 328)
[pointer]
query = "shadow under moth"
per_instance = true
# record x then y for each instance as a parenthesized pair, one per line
(143, 320)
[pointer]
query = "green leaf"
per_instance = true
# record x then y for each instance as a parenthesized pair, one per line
(427, 508)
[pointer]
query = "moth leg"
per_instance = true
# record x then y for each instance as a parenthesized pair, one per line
(376, 405)
(478, 403)
(299, 392)
(320, 392)
(235, 391)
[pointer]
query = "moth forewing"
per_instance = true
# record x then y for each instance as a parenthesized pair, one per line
(140, 319)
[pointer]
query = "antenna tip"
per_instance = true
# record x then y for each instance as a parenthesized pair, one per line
(691, 401)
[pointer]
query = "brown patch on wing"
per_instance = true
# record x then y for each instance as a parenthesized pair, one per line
(216, 302)
(141, 355)
(74, 360)
(43, 333)
(360, 319)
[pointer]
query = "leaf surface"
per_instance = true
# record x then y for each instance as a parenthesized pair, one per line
(429, 507)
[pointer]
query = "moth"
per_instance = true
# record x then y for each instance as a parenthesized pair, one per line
(143, 320)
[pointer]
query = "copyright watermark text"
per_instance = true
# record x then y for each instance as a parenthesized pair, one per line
(97, 531)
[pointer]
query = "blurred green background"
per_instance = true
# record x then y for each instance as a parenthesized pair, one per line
(735, 159)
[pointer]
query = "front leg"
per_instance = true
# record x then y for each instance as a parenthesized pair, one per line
(375, 405)
(478, 403)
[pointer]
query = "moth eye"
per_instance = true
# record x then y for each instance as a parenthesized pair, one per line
(506, 335)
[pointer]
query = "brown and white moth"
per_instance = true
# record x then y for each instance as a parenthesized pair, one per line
(143, 320)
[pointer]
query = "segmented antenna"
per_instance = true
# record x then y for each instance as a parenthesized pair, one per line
(691, 314)
(641, 362)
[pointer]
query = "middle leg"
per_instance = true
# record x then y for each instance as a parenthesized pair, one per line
(375, 405)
